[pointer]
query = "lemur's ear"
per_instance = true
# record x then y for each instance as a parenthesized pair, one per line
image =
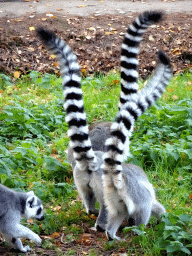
(30, 201)
(30, 193)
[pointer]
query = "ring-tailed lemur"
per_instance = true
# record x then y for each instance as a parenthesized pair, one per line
(87, 171)
(13, 206)
(129, 74)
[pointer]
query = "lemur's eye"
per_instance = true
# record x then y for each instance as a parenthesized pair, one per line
(39, 211)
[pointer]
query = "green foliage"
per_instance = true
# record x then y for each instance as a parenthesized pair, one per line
(5, 82)
(175, 234)
(33, 140)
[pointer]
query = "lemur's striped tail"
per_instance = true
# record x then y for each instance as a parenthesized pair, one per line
(129, 52)
(130, 112)
(75, 114)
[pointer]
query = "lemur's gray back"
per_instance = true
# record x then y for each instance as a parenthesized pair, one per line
(11, 199)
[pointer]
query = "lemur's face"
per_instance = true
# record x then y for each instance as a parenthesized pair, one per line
(34, 208)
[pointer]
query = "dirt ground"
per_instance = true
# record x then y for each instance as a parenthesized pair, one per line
(96, 40)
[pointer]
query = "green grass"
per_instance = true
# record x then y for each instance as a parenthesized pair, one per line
(33, 140)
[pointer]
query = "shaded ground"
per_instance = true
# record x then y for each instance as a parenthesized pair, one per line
(96, 40)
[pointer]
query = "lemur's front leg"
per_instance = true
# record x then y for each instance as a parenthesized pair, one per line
(20, 231)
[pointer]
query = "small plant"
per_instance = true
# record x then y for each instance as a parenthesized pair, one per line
(175, 234)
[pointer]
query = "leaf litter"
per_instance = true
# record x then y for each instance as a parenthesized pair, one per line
(96, 40)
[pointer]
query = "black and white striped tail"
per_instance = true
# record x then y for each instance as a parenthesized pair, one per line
(75, 114)
(130, 112)
(129, 53)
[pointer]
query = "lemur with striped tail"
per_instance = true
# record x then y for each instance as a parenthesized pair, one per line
(99, 132)
(88, 171)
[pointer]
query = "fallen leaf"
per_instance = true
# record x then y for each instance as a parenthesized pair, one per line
(59, 9)
(17, 74)
(52, 56)
(108, 33)
(31, 28)
(49, 14)
(176, 51)
(31, 49)
(92, 28)
(44, 19)
(55, 64)
(49, 5)
(80, 6)
(151, 38)
(116, 81)
(30, 221)
(190, 196)
(54, 235)
(85, 239)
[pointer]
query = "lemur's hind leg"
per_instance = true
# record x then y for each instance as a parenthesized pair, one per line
(142, 215)
(102, 219)
(114, 222)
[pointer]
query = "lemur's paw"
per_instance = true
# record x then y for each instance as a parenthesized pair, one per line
(26, 248)
(37, 240)
(111, 238)
(93, 229)
(100, 228)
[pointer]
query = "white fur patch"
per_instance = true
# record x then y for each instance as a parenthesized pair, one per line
(78, 103)
(130, 60)
(149, 187)
(130, 72)
(134, 50)
(78, 116)
(72, 90)
(77, 130)
(133, 38)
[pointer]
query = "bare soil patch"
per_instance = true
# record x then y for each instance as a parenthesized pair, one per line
(96, 40)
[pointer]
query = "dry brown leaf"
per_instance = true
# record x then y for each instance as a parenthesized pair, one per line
(31, 28)
(54, 235)
(31, 49)
(151, 38)
(49, 14)
(52, 56)
(108, 33)
(17, 74)
(30, 221)
(80, 6)
(176, 51)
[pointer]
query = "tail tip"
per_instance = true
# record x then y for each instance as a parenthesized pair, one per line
(153, 16)
(44, 34)
(163, 58)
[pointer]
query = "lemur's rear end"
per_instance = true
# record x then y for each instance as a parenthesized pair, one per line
(89, 166)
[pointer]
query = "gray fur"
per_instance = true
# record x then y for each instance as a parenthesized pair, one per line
(100, 176)
(15, 205)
